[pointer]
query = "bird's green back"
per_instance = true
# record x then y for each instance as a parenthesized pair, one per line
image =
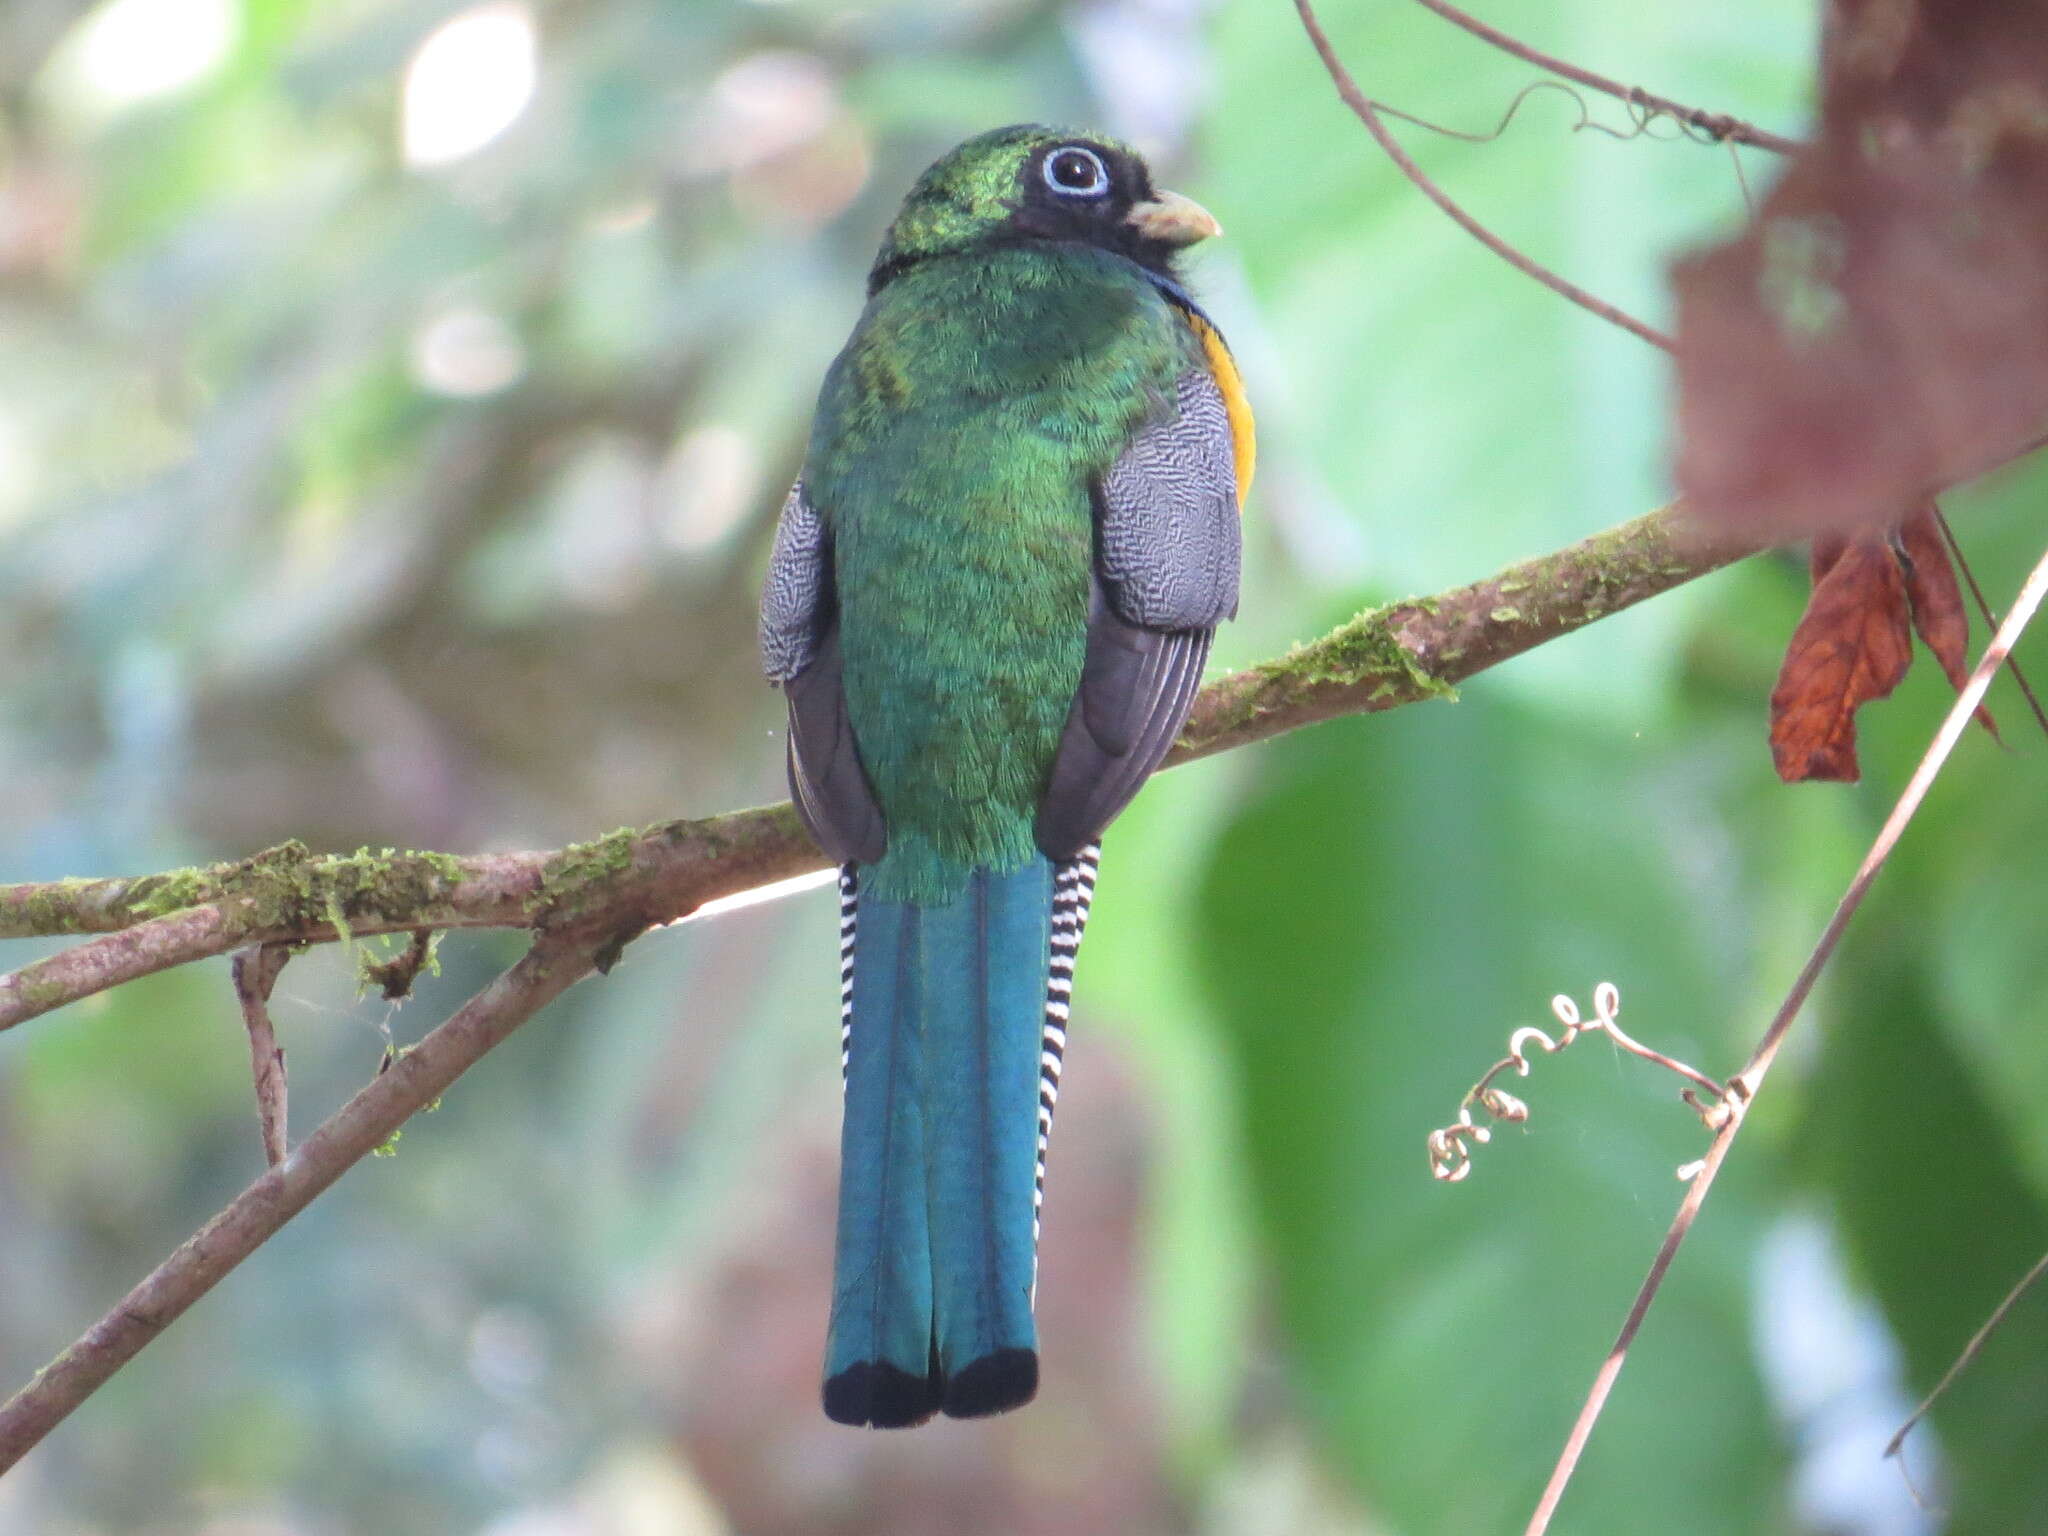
(958, 435)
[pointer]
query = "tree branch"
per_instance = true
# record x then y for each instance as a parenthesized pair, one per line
(631, 880)
(1421, 648)
(628, 880)
(416, 1078)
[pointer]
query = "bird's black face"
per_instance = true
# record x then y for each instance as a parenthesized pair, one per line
(1085, 190)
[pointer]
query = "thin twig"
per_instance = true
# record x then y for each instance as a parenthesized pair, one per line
(1970, 1352)
(1920, 1500)
(1955, 549)
(1718, 127)
(1742, 1089)
(360, 1126)
(1367, 112)
(1742, 181)
(255, 973)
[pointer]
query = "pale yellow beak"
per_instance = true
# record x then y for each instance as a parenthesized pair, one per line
(1173, 220)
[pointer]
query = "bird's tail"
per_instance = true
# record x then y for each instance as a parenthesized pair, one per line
(953, 1031)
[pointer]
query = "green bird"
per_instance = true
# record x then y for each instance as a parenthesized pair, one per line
(991, 596)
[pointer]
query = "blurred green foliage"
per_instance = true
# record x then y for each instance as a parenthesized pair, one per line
(368, 486)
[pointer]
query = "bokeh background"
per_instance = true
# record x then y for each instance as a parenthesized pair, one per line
(394, 401)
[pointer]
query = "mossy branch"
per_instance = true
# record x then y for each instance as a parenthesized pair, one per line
(632, 879)
(1424, 647)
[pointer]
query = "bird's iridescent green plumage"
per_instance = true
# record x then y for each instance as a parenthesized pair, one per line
(991, 597)
(956, 441)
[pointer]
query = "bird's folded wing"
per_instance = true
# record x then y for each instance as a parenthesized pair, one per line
(800, 650)
(1167, 552)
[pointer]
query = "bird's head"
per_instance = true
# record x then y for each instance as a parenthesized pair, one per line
(1024, 183)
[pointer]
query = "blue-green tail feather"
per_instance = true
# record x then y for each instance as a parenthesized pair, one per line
(947, 1101)
(878, 1361)
(984, 1021)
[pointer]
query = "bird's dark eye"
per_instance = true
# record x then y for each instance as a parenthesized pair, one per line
(1076, 172)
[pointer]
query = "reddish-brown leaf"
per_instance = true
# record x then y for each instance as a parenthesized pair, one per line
(1937, 602)
(1852, 645)
(1880, 329)
(1821, 557)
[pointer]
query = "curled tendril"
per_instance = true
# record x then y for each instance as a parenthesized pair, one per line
(1644, 115)
(1450, 1146)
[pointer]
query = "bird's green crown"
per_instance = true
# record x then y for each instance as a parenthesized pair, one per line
(1030, 182)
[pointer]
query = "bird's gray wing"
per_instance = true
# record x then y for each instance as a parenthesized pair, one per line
(1166, 573)
(800, 651)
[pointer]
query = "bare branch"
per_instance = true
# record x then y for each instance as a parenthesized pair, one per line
(631, 880)
(1718, 127)
(1970, 1352)
(416, 1079)
(256, 972)
(1368, 113)
(1742, 1089)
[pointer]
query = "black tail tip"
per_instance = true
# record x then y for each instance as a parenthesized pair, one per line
(878, 1394)
(995, 1383)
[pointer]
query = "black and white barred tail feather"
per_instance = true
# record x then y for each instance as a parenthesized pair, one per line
(849, 909)
(1073, 889)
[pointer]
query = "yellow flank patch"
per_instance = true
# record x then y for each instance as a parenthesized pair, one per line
(1243, 439)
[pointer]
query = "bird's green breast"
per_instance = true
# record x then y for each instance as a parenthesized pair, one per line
(957, 438)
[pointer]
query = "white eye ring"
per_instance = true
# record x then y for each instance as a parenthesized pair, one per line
(1068, 154)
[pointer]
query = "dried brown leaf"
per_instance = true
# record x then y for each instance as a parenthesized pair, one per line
(1936, 599)
(1821, 557)
(1853, 645)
